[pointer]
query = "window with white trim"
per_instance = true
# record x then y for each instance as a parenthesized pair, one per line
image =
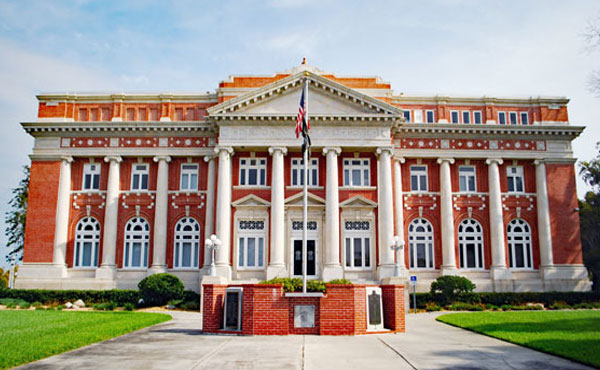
(430, 116)
(356, 172)
(466, 116)
(514, 178)
(406, 114)
(187, 243)
(253, 171)
(454, 117)
(518, 234)
(418, 116)
(357, 244)
(502, 118)
(420, 244)
(139, 176)
(251, 244)
(513, 118)
(87, 243)
(524, 118)
(297, 172)
(91, 176)
(189, 176)
(470, 244)
(137, 242)
(418, 178)
(467, 179)
(477, 117)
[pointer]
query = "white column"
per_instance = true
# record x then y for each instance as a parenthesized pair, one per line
(161, 210)
(448, 245)
(209, 221)
(498, 268)
(332, 268)
(111, 214)
(399, 208)
(223, 224)
(61, 228)
(543, 216)
(276, 266)
(386, 214)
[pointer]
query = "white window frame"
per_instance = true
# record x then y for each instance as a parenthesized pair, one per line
(140, 173)
(187, 176)
(260, 166)
(467, 175)
(475, 114)
(84, 235)
(297, 168)
(182, 237)
(419, 174)
(511, 177)
(421, 239)
(513, 114)
(358, 230)
(457, 116)
(519, 237)
(526, 115)
(405, 113)
(432, 116)
(137, 230)
(475, 238)
(500, 114)
(93, 171)
(468, 116)
(364, 168)
(251, 230)
(418, 116)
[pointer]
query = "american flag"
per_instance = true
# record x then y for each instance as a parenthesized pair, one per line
(302, 124)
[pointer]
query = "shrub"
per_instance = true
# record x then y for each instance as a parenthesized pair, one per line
(191, 296)
(129, 306)
(24, 305)
(491, 307)
(190, 306)
(289, 284)
(340, 282)
(506, 307)
(448, 289)
(58, 296)
(158, 289)
(431, 307)
(100, 306)
(37, 304)
(459, 306)
(559, 305)
(175, 302)
(60, 308)
(315, 286)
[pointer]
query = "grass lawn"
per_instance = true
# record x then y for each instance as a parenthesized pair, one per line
(26, 336)
(571, 334)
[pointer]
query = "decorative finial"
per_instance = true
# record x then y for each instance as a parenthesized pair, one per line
(304, 60)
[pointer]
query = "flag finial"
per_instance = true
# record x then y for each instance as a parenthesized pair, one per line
(304, 60)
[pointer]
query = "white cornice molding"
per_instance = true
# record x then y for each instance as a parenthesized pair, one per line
(97, 97)
(122, 128)
(479, 100)
(235, 119)
(487, 131)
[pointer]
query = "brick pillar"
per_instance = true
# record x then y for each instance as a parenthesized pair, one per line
(393, 308)
(213, 299)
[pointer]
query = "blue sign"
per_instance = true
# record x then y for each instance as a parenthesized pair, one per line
(413, 278)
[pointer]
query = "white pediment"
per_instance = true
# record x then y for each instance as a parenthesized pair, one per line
(251, 200)
(358, 201)
(297, 200)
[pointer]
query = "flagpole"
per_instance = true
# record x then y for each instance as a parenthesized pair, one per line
(305, 198)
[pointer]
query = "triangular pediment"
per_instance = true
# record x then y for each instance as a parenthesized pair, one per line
(358, 201)
(297, 200)
(251, 200)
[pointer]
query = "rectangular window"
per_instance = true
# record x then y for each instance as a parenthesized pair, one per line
(356, 172)
(189, 114)
(430, 116)
(153, 114)
(178, 114)
(357, 243)
(142, 114)
(251, 244)
(514, 175)
(467, 179)
(454, 116)
(466, 116)
(513, 118)
(94, 114)
(477, 117)
(130, 114)
(139, 176)
(418, 116)
(189, 176)
(406, 114)
(297, 172)
(91, 176)
(82, 114)
(418, 178)
(253, 172)
(524, 118)
(105, 114)
(502, 118)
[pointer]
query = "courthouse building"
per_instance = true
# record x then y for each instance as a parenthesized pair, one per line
(126, 185)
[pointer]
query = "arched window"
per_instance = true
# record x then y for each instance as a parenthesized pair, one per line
(137, 240)
(87, 242)
(420, 244)
(470, 244)
(518, 234)
(187, 241)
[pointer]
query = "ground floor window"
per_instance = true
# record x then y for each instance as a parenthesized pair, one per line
(187, 242)
(137, 240)
(251, 244)
(420, 244)
(518, 234)
(470, 244)
(87, 242)
(357, 242)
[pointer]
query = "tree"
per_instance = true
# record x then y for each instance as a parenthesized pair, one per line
(592, 41)
(15, 218)
(589, 218)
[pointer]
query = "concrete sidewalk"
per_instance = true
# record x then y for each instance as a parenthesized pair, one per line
(180, 344)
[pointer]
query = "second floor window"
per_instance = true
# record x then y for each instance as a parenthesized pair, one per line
(139, 177)
(477, 117)
(356, 172)
(189, 176)
(454, 116)
(418, 116)
(406, 114)
(524, 118)
(466, 116)
(514, 177)
(91, 176)
(430, 116)
(298, 172)
(418, 178)
(502, 118)
(253, 171)
(513, 118)
(466, 179)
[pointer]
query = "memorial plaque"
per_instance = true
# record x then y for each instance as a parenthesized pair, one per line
(232, 312)
(304, 316)
(374, 308)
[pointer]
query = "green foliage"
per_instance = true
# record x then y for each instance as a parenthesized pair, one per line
(37, 304)
(24, 305)
(191, 296)
(431, 307)
(129, 307)
(15, 218)
(589, 218)
(158, 289)
(120, 297)
(340, 281)
(295, 284)
(175, 302)
(60, 307)
(450, 289)
(460, 306)
(4, 278)
(559, 305)
(190, 306)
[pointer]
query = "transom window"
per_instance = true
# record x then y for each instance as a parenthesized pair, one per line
(466, 116)
(189, 176)
(514, 175)
(298, 172)
(524, 118)
(467, 179)
(251, 244)
(137, 241)
(253, 171)
(420, 244)
(187, 241)
(139, 176)
(470, 244)
(356, 172)
(91, 176)
(418, 178)
(87, 242)
(430, 116)
(502, 118)
(357, 241)
(477, 117)
(518, 234)
(454, 116)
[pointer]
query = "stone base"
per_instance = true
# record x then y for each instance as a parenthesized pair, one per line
(500, 273)
(332, 272)
(450, 270)
(224, 271)
(157, 269)
(565, 278)
(385, 271)
(106, 273)
(276, 271)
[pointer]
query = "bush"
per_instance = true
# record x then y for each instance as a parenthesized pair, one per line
(59, 296)
(190, 306)
(340, 282)
(129, 307)
(559, 305)
(158, 289)
(37, 304)
(24, 305)
(448, 289)
(191, 296)
(295, 284)
(175, 302)
(459, 306)
(431, 307)
(60, 308)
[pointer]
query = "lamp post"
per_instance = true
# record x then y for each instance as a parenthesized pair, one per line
(213, 243)
(11, 274)
(397, 246)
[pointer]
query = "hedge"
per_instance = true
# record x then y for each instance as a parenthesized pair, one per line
(118, 296)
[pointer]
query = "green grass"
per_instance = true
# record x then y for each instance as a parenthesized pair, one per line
(27, 336)
(571, 334)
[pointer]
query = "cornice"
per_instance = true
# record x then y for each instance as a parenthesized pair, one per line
(155, 128)
(464, 131)
(98, 97)
(236, 119)
(480, 100)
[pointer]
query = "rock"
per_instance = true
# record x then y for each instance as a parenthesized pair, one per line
(79, 304)
(537, 305)
(68, 305)
(170, 307)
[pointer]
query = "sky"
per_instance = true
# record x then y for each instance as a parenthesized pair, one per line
(461, 47)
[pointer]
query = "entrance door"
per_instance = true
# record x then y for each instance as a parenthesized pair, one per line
(311, 253)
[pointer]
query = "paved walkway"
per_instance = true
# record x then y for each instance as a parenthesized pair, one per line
(179, 344)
